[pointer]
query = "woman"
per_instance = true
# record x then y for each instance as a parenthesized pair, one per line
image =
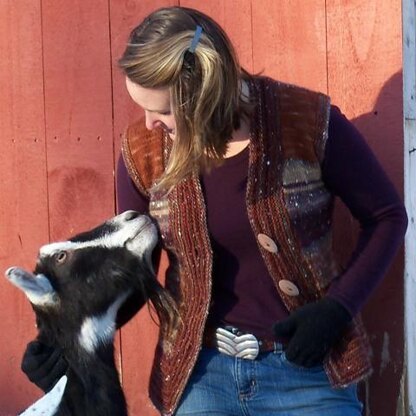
(240, 172)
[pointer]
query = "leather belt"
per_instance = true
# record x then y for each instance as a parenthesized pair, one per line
(232, 341)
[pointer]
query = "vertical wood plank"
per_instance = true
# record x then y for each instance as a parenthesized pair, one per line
(289, 41)
(73, 121)
(139, 336)
(78, 104)
(23, 188)
(364, 77)
(124, 17)
(234, 16)
(409, 104)
(79, 117)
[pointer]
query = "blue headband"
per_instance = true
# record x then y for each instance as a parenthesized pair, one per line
(196, 38)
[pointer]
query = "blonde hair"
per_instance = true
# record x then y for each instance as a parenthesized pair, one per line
(204, 85)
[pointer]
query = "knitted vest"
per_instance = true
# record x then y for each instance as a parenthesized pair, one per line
(286, 200)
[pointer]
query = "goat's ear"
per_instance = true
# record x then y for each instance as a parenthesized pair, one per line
(36, 287)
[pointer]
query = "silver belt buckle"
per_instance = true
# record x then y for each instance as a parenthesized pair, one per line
(232, 342)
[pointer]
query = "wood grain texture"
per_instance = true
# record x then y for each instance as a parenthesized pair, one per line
(78, 106)
(64, 107)
(234, 16)
(23, 186)
(139, 336)
(409, 112)
(365, 80)
(289, 41)
(125, 16)
(79, 116)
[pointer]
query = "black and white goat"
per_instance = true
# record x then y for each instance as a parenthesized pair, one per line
(76, 291)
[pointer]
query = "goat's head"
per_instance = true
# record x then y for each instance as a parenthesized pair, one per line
(84, 281)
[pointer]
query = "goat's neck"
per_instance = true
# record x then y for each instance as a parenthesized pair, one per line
(93, 386)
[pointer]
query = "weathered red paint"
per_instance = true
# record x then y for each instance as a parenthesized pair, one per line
(23, 187)
(64, 107)
(365, 80)
(78, 109)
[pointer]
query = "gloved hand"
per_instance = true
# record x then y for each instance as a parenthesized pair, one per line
(312, 330)
(43, 365)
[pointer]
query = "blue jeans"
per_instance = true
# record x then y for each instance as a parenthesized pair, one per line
(221, 385)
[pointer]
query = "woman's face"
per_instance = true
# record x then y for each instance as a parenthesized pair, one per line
(156, 105)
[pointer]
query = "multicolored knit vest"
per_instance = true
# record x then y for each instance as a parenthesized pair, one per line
(286, 201)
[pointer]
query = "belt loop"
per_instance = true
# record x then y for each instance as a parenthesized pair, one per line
(278, 347)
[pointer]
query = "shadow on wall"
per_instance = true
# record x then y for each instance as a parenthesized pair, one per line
(383, 128)
(383, 315)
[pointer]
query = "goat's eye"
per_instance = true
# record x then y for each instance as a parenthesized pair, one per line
(61, 257)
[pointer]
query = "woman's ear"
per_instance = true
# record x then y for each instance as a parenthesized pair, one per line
(36, 287)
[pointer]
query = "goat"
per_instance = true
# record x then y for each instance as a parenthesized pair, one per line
(76, 290)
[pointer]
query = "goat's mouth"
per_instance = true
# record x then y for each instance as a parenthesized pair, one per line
(145, 232)
(144, 235)
(143, 241)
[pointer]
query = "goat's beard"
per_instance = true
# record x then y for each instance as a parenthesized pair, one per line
(149, 290)
(165, 307)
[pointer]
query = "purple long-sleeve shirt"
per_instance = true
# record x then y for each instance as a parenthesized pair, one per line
(243, 292)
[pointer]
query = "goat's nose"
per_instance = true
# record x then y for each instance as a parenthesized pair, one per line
(130, 215)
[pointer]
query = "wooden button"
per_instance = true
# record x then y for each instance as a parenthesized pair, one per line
(288, 288)
(267, 243)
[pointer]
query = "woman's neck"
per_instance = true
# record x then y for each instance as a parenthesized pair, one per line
(241, 137)
(239, 140)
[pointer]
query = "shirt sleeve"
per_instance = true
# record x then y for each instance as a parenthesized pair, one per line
(128, 196)
(351, 172)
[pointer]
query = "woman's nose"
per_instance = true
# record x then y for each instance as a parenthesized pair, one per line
(151, 121)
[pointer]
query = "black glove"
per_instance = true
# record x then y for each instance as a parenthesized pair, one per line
(312, 330)
(43, 365)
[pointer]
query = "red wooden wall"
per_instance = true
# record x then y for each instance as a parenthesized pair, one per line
(64, 105)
